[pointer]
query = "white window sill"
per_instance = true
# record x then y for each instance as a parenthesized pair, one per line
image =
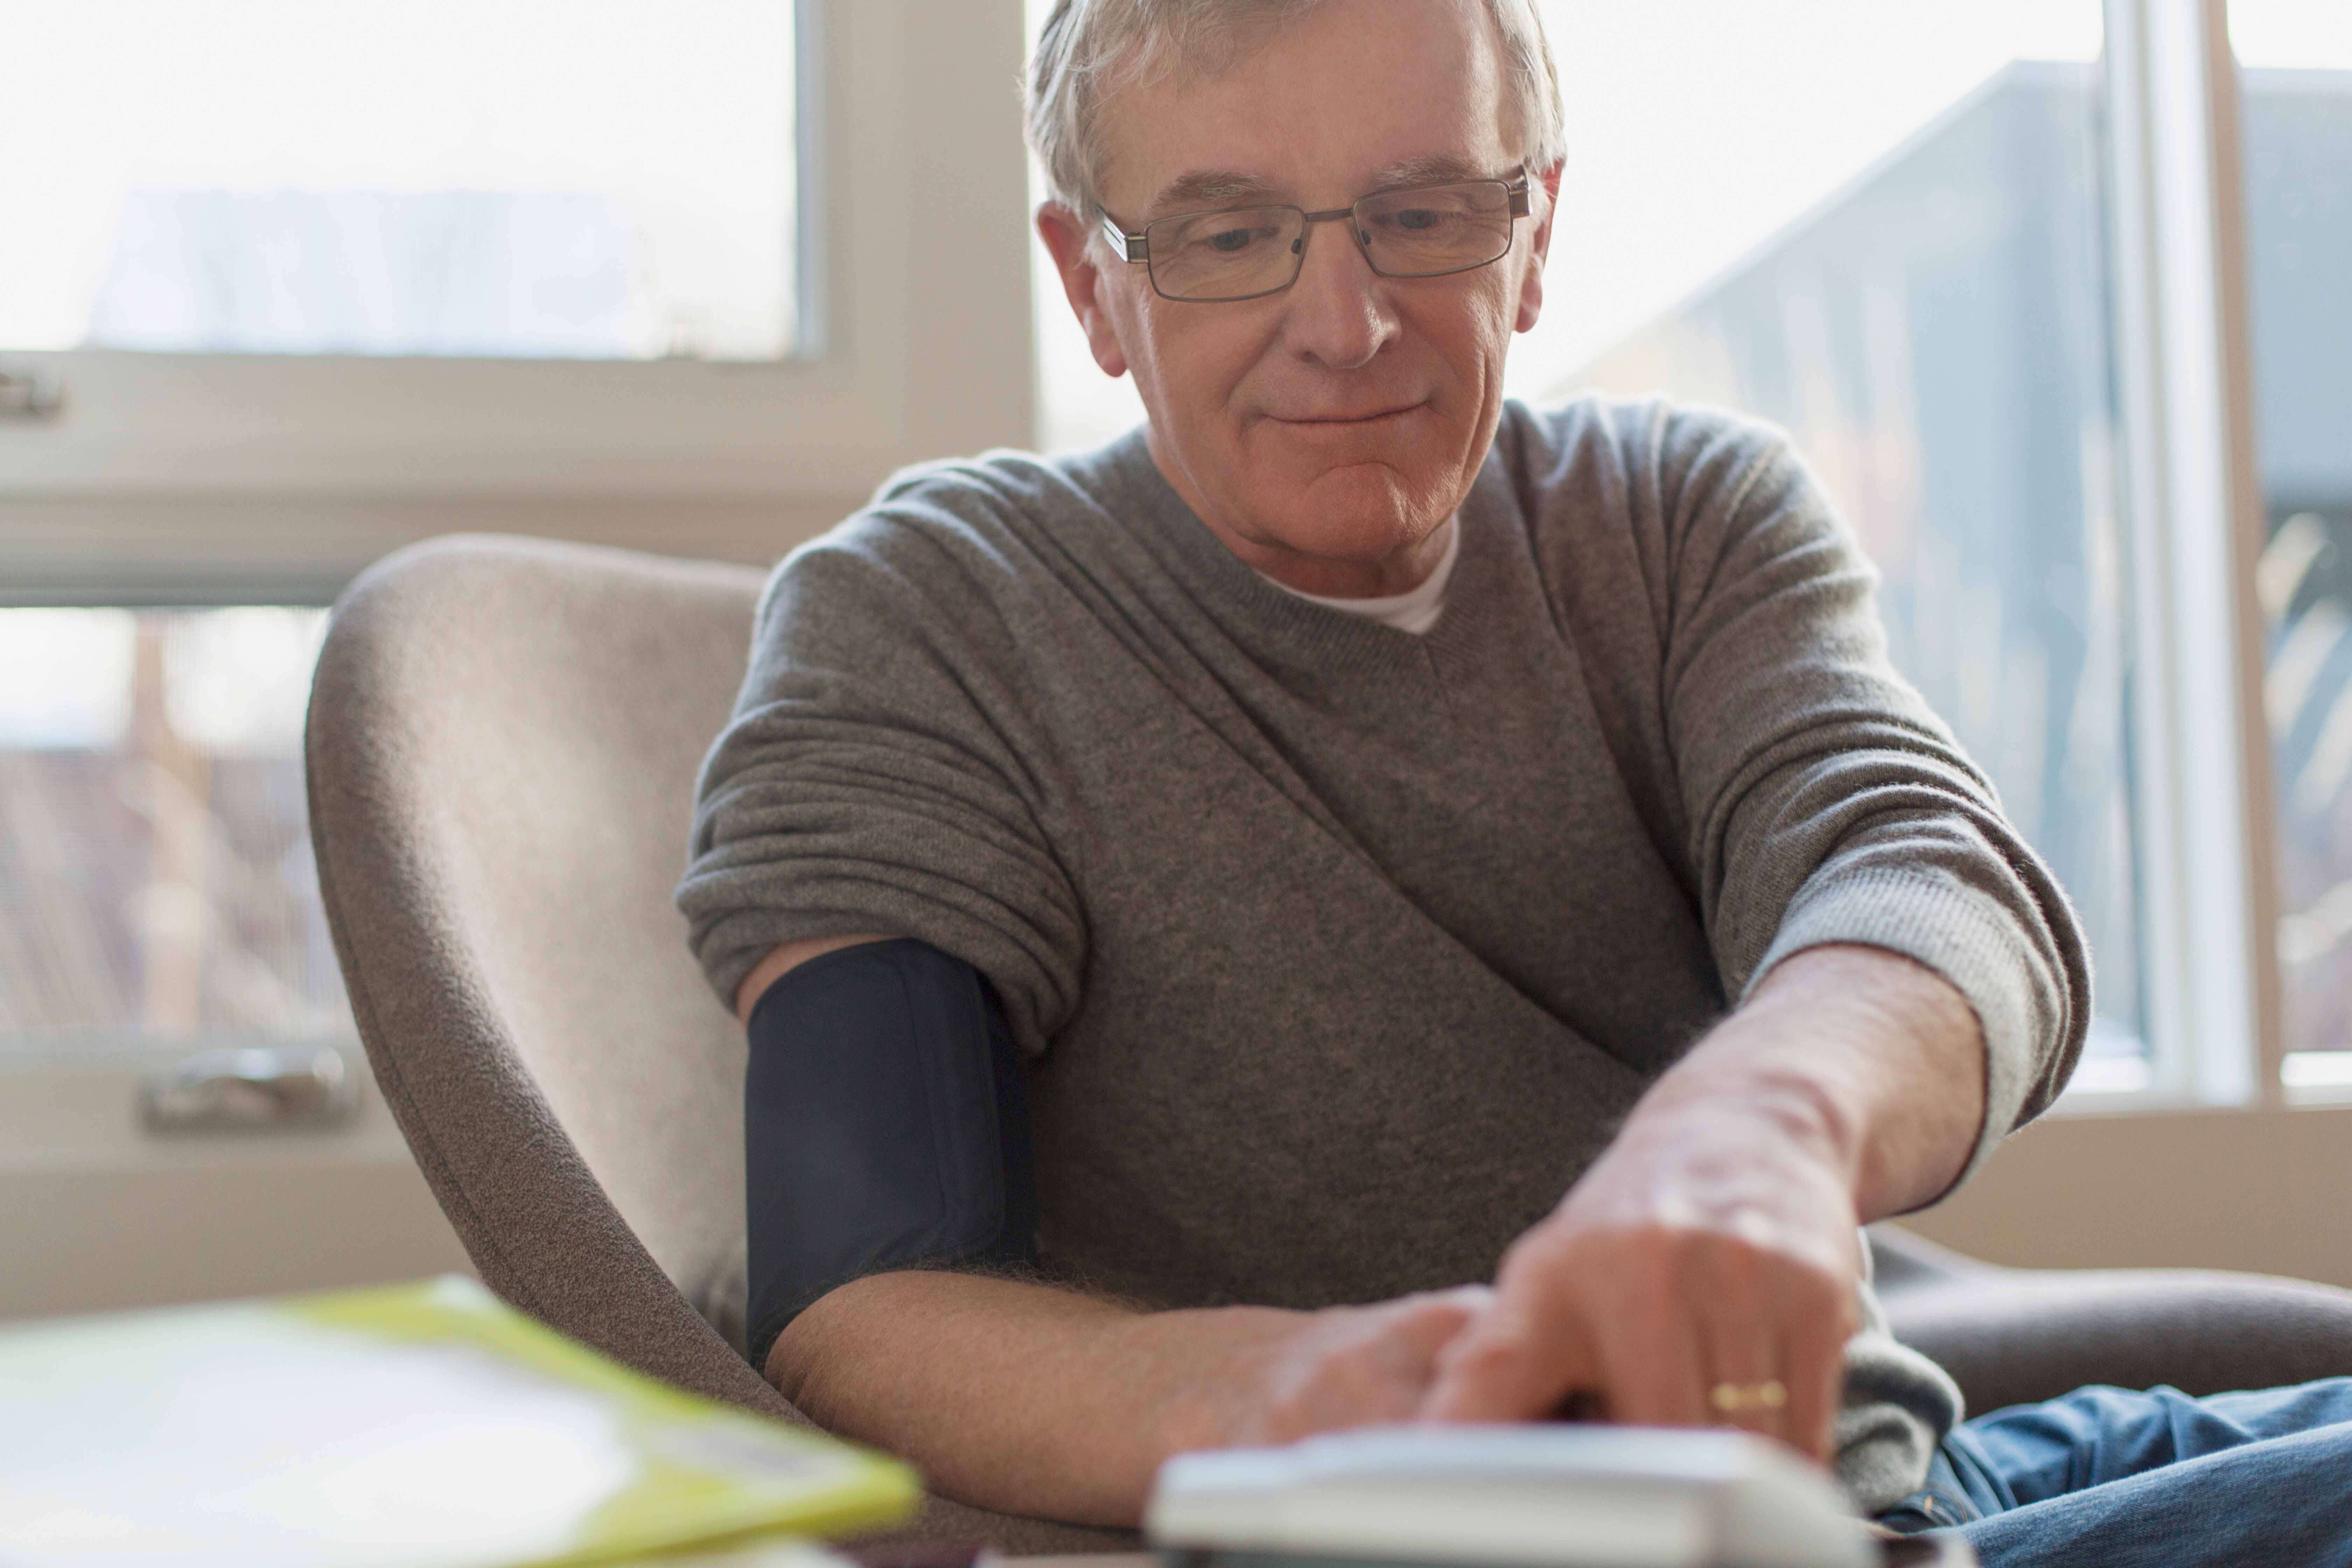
(61, 1114)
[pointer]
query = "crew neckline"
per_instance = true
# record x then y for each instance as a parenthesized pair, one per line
(1267, 617)
(1415, 610)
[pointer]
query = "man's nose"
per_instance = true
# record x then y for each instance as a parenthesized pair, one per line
(1336, 313)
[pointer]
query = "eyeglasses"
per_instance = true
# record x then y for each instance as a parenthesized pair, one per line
(1245, 253)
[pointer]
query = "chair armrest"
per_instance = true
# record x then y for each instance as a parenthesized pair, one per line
(2011, 1336)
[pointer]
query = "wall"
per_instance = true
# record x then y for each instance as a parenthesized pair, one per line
(95, 1213)
(2211, 1189)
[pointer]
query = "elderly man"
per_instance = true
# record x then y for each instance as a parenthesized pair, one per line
(1203, 908)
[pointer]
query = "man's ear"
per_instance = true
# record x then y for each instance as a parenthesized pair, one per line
(1538, 248)
(1065, 236)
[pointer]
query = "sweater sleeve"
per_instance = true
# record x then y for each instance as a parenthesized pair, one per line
(868, 782)
(1826, 804)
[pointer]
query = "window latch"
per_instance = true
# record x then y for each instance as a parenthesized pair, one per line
(255, 1086)
(30, 391)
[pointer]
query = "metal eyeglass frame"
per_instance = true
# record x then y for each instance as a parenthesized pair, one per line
(1137, 246)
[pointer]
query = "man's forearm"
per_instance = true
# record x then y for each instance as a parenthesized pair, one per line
(1031, 1399)
(1017, 1396)
(1877, 1060)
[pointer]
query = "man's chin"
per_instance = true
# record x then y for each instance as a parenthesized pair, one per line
(1404, 481)
(1362, 511)
(1385, 485)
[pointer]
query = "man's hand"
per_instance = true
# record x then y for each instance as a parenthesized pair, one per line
(1710, 1249)
(1704, 1270)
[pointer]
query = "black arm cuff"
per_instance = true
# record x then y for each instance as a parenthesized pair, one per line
(885, 1126)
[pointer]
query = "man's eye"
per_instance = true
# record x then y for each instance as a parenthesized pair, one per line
(1417, 220)
(1229, 240)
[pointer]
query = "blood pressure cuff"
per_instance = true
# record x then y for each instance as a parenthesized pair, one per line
(885, 1126)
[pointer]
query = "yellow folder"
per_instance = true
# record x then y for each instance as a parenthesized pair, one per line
(425, 1426)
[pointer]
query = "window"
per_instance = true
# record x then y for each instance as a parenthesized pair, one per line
(320, 277)
(156, 886)
(2295, 90)
(530, 180)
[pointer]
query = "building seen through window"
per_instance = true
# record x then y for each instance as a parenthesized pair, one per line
(597, 179)
(1934, 337)
(2297, 89)
(156, 885)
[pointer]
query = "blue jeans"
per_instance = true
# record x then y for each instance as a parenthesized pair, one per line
(2106, 1477)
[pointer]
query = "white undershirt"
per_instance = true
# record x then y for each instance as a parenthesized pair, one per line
(1414, 611)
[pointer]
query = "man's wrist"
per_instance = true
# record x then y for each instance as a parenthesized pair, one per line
(1869, 1058)
(1761, 1091)
(1204, 1402)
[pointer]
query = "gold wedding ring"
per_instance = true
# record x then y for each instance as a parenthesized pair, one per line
(1740, 1398)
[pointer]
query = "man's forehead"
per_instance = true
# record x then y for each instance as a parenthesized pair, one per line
(1198, 188)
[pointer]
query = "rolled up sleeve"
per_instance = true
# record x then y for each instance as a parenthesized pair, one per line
(1827, 804)
(866, 783)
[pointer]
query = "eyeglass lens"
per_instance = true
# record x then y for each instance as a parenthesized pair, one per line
(1246, 251)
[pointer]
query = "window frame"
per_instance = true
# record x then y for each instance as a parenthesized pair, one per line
(285, 476)
(194, 478)
(2184, 401)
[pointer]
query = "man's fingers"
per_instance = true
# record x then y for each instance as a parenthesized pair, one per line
(1688, 1329)
(1353, 1365)
(1813, 1310)
(1814, 1348)
(1507, 1367)
(1653, 1364)
(1748, 1380)
(1744, 1360)
(1429, 1322)
(1415, 1332)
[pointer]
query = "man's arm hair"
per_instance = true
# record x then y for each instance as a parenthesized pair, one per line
(1866, 1051)
(1052, 1402)
(1029, 1398)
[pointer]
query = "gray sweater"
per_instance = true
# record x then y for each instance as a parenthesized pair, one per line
(1338, 953)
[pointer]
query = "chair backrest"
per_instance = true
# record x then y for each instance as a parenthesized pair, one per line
(502, 745)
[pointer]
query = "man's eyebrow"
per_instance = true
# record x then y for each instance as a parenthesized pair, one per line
(1204, 188)
(1440, 169)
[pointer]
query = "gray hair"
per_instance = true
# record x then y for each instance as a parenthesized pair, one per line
(1090, 48)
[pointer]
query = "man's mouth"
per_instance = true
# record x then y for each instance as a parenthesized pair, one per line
(1346, 416)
